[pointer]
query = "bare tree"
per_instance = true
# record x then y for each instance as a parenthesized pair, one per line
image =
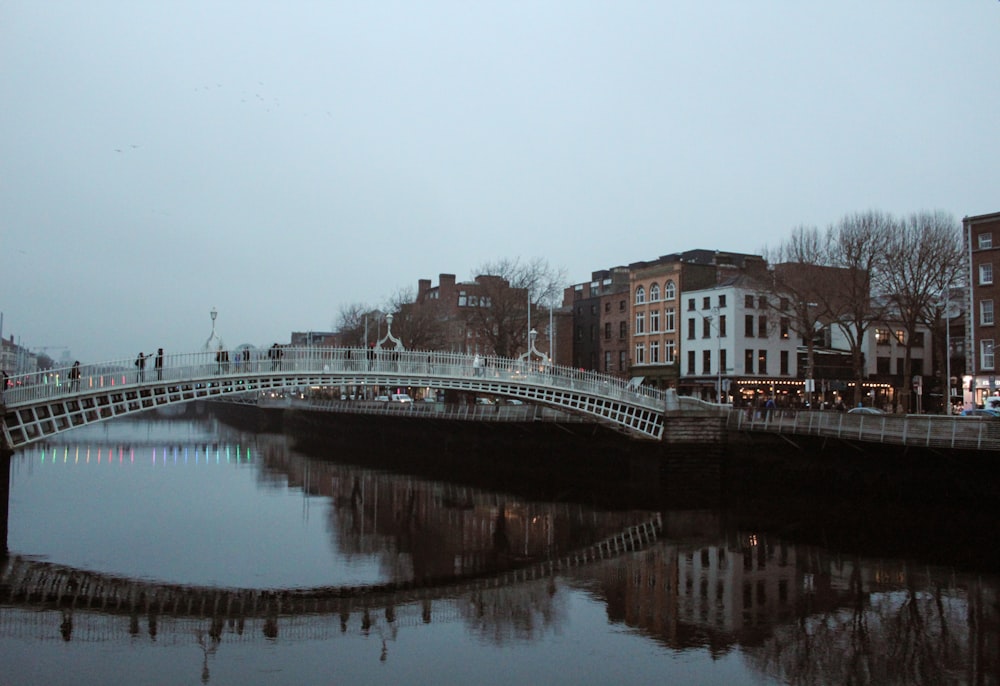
(352, 323)
(921, 257)
(857, 244)
(800, 277)
(510, 287)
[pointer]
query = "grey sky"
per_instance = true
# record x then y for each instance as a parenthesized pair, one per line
(279, 160)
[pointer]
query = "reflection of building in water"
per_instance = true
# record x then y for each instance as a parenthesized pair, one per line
(687, 594)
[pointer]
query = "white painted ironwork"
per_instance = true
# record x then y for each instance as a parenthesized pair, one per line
(918, 430)
(42, 404)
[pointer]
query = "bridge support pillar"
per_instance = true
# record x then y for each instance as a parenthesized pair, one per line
(5, 456)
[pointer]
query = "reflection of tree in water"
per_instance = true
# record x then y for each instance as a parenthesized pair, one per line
(516, 613)
(925, 631)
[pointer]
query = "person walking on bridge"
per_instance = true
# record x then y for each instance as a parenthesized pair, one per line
(158, 364)
(140, 365)
(74, 377)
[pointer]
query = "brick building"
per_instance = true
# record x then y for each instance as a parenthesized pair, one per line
(981, 235)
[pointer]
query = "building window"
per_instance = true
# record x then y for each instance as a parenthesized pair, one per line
(748, 361)
(985, 274)
(607, 306)
(722, 326)
(593, 333)
(691, 362)
(722, 361)
(918, 340)
(690, 328)
(748, 302)
(654, 292)
(784, 304)
(748, 326)
(762, 362)
(706, 302)
(900, 337)
(986, 312)
(654, 352)
(593, 309)
(621, 305)
(607, 361)
(462, 299)
(882, 365)
(986, 240)
(690, 304)
(986, 353)
(706, 328)
(669, 350)
(607, 331)
(706, 361)
(784, 363)
(762, 326)
(784, 328)
(669, 291)
(640, 322)
(722, 300)
(622, 361)
(654, 321)
(622, 329)
(762, 303)
(882, 336)
(669, 323)
(640, 353)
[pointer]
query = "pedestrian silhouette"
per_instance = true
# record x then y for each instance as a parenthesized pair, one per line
(140, 365)
(74, 377)
(158, 364)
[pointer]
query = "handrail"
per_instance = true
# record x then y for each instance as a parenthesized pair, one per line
(335, 363)
(932, 431)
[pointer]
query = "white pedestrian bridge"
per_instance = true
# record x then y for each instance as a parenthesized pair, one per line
(43, 404)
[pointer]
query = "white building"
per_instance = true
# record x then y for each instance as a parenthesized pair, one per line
(738, 336)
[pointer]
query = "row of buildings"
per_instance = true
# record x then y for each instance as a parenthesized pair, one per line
(710, 323)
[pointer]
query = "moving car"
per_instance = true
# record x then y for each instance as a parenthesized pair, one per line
(865, 410)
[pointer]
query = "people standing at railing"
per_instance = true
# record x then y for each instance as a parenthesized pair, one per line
(140, 365)
(74, 377)
(477, 365)
(158, 364)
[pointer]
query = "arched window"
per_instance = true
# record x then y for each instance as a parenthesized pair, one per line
(654, 292)
(640, 295)
(669, 291)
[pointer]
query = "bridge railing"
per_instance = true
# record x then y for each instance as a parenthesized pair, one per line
(340, 364)
(932, 431)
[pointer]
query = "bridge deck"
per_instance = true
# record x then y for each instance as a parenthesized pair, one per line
(40, 405)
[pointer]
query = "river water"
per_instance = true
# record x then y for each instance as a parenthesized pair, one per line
(184, 551)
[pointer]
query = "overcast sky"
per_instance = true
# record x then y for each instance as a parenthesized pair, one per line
(278, 160)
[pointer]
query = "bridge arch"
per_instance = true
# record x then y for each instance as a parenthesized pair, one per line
(44, 404)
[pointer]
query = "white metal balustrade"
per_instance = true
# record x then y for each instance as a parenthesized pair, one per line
(44, 403)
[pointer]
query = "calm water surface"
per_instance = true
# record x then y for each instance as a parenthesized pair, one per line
(182, 551)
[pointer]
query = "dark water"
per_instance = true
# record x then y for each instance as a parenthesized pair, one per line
(184, 551)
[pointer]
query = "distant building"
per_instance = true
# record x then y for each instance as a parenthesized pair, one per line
(486, 316)
(735, 339)
(656, 289)
(981, 235)
(599, 318)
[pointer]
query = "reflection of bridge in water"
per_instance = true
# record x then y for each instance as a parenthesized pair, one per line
(70, 594)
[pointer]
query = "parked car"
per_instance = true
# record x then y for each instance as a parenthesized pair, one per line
(865, 410)
(981, 412)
